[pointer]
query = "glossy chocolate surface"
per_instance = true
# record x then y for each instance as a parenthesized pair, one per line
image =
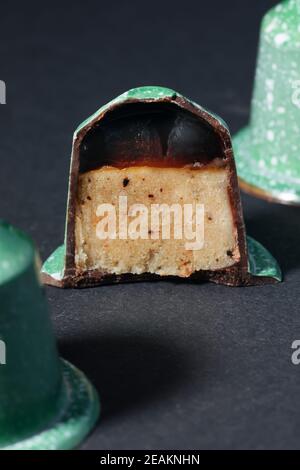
(156, 134)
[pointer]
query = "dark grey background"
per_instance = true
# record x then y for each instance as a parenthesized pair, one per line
(178, 367)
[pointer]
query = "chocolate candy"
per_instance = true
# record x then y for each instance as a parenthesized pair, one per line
(154, 148)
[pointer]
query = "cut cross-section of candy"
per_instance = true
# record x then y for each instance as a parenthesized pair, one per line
(153, 195)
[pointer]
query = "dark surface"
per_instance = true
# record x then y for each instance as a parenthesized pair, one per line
(178, 367)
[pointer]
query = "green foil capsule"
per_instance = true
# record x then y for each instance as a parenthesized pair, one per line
(267, 151)
(45, 403)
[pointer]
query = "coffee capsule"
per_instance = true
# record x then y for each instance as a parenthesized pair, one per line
(267, 151)
(45, 402)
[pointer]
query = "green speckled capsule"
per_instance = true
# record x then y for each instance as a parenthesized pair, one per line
(267, 152)
(40, 395)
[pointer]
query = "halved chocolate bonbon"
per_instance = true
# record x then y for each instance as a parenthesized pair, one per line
(154, 146)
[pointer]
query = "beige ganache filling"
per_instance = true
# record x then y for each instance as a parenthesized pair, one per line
(150, 185)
